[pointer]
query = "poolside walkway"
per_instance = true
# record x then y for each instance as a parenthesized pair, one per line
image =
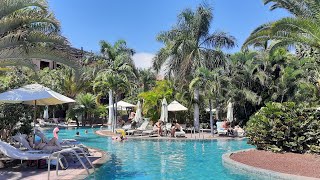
(289, 163)
(189, 136)
(74, 171)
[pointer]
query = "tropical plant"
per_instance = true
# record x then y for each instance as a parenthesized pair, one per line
(208, 83)
(152, 99)
(28, 31)
(301, 29)
(63, 80)
(189, 45)
(14, 118)
(285, 127)
(119, 68)
(86, 104)
(117, 84)
(147, 79)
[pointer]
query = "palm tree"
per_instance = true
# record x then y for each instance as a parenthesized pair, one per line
(86, 104)
(189, 45)
(29, 31)
(118, 60)
(147, 78)
(302, 28)
(207, 82)
(117, 84)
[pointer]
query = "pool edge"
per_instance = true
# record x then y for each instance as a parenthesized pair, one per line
(97, 163)
(259, 173)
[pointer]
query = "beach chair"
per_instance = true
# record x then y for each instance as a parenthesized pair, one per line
(126, 127)
(140, 129)
(180, 133)
(239, 132)
(14, 153)
(221, 130)
(21, 138)
(148, 132)
(65, 143)
(167, 128)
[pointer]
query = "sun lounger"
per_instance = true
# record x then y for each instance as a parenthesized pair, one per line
(221, 130)
(139, 129)
(67, 142)
(21, 138)
(15, 153)
(126, 127)
(239, 133)
(180, 133)
(148, 132)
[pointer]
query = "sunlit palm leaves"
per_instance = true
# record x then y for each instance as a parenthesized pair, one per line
(119, 70)
(301, 29)
(29, 31)
(189, 44)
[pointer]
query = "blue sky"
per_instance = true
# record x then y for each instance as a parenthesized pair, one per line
(138, 22)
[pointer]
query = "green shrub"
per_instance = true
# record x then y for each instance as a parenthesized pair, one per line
(15, 118)
(285, 127)
(152, 99)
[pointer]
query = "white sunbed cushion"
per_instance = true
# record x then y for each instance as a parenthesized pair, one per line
(15, 153)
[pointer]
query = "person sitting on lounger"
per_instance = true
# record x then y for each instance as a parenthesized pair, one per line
(52, 145)
(157, 127)
(238, 130)
(175, 127)
(227, 126)
(131, 116)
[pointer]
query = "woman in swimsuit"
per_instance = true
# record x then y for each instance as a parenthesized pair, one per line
(175, 127)
(157, 127)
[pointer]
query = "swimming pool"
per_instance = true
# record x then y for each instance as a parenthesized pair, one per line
(160, 159)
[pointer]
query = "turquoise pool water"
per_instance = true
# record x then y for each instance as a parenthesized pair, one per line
(160, 159)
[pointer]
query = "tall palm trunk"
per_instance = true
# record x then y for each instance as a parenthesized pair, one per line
(211, 114)
(110, 109)
(196, 109)
(115, 114)
(217, 108)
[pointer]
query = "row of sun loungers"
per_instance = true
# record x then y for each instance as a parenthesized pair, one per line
(142, 130)
(54, 156)
(223, 131)
(58, 157)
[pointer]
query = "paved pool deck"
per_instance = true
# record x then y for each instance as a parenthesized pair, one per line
(75, 171)
(189, 136)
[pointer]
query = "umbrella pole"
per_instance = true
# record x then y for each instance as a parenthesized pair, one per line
(34, 122)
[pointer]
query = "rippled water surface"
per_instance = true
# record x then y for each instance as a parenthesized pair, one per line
(160, 159)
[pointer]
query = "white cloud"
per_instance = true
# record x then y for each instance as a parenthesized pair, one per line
(143, 60)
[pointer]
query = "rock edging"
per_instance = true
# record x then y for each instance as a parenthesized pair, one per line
(257, 172)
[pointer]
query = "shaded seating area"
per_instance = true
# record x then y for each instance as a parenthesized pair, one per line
(56, 158)
(140, 129)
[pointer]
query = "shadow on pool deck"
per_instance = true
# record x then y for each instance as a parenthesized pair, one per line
(74, 171)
